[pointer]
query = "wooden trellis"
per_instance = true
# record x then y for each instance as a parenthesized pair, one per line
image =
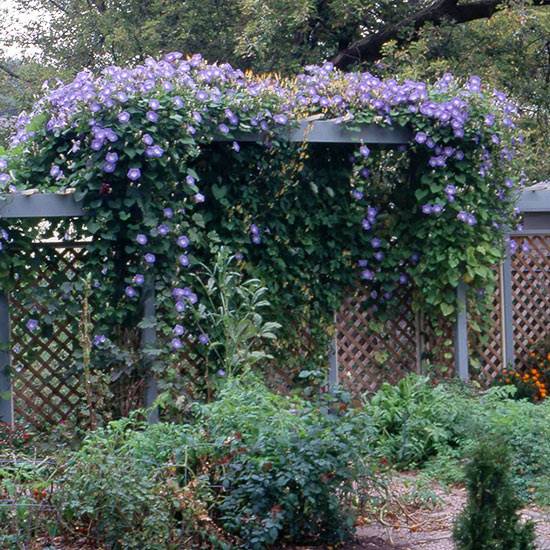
(360, 357)
(46, 385)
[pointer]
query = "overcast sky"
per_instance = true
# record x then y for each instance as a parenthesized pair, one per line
(12, 22)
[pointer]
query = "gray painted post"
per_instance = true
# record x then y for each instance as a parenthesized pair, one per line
(333, 364)
(148, 340)
(6, 405)
(507, 311)
(461, 334)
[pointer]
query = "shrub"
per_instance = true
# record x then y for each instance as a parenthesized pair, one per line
(288, 467)
(436, 428)
(490, 520)
(123, 486)
(415, 421)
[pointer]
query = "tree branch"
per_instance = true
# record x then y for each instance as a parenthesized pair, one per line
(370, 47)
(5, 68)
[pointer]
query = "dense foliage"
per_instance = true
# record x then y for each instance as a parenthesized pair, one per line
(153, 153)
(253, 468)
(436, 428)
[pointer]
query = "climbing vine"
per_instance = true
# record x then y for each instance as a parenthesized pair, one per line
(156, 154)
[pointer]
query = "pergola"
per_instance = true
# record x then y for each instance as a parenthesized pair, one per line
(535, 203)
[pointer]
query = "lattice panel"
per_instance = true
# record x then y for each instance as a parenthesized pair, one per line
(486, 350)
(530, 292)
(368, 357)
(46, 388)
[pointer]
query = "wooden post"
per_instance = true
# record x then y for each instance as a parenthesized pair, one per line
(148, 340)
(461, 335)
(507, 311)
(6, 397)
(333, 376)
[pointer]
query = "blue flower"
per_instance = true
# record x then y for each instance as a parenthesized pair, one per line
(138, 279)
(178, 330)
(130, 292)
(32, 325)
(141, 239)
(203, 339)
(99, 339)
(123, 117)
(168, 213)
(176, 343)
(183, 260)
(150, 258)
(183, 241)
(134, 174)
(163, 230)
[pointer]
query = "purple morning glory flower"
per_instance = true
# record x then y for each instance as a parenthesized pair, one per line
(403, 279)
(154, 104)
(109, 167)
(366, 224)
(357, 195)
(178, 330)
(32, 325)
(130, 292)
(184, 260)
(223, 128)
(152, 116)
(3, 164)
(134, 174)
(163, 230)
(190, 180)
(150, 258)
(141, 239)
(362, 263)
(379, 256)
(180, 307)
(203, 339)
(168, 213)
(364, 150)
(4, 178)
(221, 373)
(364, 172)
(376, 242)
(450, 189)
(183, 241)
(437, 209)
(97, 144)
(123, 117)
(176, 343)
(372, 213)
(367, 275)
(99, 339)
(198, 198)
(178, 102)
(420, 137)
(154, 152)
(147, 139)
(138, 279)
(236, 147)
(55, 171)
(280, 119)
(111, 157)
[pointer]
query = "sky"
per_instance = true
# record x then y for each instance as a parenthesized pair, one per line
(14, 22)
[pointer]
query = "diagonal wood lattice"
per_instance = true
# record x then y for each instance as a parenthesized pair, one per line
(46, 388)
(530, 293)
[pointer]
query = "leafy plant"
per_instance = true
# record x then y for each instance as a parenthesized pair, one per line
(415, 420)
(287, 470)
(233, 312)
(490, 520)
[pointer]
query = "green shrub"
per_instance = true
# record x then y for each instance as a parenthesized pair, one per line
(415, 420)
(123, 485)
(436, 428)
(288, 467)
(490, 520)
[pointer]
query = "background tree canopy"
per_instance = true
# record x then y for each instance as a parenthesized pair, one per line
(506, 43)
